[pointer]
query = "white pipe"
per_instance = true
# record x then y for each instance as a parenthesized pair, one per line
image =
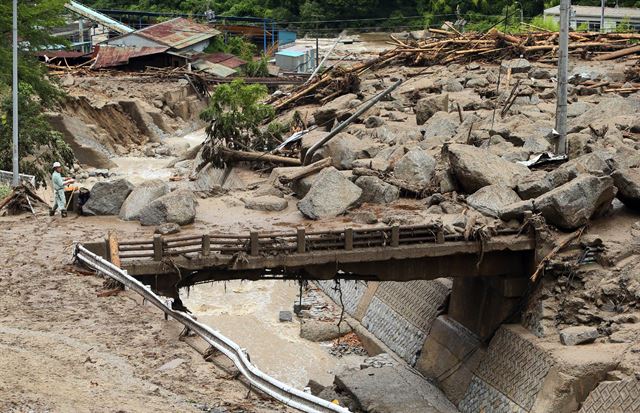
(269, 385)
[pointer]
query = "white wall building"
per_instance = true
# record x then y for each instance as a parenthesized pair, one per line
(590, 15)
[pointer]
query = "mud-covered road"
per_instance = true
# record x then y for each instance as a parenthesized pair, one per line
(64, 349)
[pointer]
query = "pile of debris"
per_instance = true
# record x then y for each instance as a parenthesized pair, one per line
(446, 47)
(22, 198)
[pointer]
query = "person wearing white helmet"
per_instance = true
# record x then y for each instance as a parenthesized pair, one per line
(59, 182)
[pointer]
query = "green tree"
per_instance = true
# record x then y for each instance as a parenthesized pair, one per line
(39, 145)
(234, 116)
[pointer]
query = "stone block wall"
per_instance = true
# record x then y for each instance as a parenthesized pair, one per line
(400, 314)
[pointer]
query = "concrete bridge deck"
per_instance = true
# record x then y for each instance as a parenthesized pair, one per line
(397, 253)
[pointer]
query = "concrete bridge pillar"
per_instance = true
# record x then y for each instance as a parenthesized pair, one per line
(481, 304)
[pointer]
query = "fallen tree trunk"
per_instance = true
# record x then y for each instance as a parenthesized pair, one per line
(235, 155)
(618, 53)
(306, 171)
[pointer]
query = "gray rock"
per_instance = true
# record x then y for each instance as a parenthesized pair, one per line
(376, 191)
(373, 122)
(285, 316)
(343, 149)
(140, 197)
(491, 199)
(393, 389)
(168, 228)
(516, 66)
(475, 168)
(178, 207)
(441, 124)
(453, 85)
(266, 203)
(515, 210)
(339, 108)
(571, 205)
(540, 74)
(314, 330)
(376, 164)
(572, 336)
(416, 168)
(605, 110)
(628, 183)
(428, 106)
(330, 194)
(479, 81)
(106, 198)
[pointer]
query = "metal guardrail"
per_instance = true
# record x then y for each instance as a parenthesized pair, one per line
(282, 392)
(301, 241)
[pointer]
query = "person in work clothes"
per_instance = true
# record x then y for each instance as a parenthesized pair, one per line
(59, 201)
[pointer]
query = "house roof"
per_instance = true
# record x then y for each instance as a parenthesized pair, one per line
(216, 69)
(178, 33)
(111, 56)
(225, 59)
(594, 11)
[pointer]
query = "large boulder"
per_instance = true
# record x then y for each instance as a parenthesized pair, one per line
(142, 196)
(106, 198)
(441, 124)
(539, 182)
(416, 168)
(177, 206)
(345, 148)
(330, 195)
(376, 191)
(266, 203)
(339, 108)
(571, 205)
(475, 168)
(428, 106)
(492, 199)
(628, 183)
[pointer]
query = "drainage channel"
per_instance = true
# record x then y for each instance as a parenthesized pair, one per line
(280, 391)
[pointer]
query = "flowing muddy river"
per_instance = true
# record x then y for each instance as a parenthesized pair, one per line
(247, 312)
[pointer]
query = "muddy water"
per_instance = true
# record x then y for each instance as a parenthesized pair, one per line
(248, 314)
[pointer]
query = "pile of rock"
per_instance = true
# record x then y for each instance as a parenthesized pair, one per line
(151, 203)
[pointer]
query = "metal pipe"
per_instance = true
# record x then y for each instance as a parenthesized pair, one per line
(275, 388)
(563, 57)
(602, 4)
(340, 127)
(15, 180)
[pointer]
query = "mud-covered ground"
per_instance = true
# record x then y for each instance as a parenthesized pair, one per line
(64, 349)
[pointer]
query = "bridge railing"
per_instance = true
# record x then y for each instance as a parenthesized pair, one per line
(275, 243)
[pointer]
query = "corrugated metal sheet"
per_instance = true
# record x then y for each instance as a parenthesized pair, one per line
(178, 33)
(111, 56)
(214, 69)
(225, 59)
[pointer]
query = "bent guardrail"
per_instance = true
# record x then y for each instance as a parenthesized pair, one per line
(282, 392)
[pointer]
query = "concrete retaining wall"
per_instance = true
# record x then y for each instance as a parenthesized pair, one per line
(400, 314)
(614, 397)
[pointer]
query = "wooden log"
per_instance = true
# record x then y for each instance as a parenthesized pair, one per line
(618, 53)
(235, 155)
(306, 171)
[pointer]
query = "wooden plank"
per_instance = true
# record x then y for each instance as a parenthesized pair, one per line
(114, 253)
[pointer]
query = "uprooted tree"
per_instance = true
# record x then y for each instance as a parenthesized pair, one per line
(234, 116)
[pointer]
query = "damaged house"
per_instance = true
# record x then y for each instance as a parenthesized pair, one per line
(172, 43)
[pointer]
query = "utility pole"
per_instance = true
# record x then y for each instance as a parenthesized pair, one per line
(15, 181)
(602, 4)
(563, 62)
